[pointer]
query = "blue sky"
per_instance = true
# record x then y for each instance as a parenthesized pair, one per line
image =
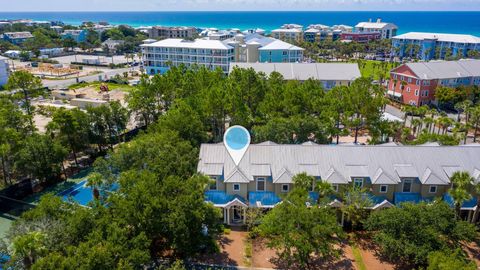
(198, 5)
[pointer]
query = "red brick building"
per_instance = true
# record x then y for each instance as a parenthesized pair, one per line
(361, 37)
(415, 83)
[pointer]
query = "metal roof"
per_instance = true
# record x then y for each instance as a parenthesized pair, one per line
(277, 44)
(375, 25)
(440, 37)
(221, 198)
(190, 44)
(305, 71)
(446, 69)
(331, 163)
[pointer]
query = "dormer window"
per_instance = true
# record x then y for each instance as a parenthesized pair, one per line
(407, 185)
(261, 184)
(358, 182)
(213, 183)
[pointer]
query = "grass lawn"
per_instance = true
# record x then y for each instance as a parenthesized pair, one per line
(372, 69)
(358, 258)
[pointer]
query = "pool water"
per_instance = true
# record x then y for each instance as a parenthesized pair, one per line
(83, 194)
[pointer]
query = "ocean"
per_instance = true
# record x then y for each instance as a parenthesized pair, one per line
(407, 21)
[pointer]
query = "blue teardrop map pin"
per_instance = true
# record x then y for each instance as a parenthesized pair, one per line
(236, 140)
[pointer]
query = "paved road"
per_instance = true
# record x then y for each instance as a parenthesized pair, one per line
(65, 83)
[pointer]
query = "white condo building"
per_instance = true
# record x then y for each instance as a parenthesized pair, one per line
(212, 54)
(215, 53)
(387, 30)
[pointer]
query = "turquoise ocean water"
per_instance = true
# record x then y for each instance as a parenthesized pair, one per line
(442, 22)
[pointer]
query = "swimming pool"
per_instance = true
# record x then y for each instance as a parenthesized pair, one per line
(83, 194)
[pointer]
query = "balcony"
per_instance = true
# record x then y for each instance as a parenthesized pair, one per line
(411, 197)
(263, 199)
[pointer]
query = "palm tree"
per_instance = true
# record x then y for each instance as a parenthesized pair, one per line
(324, 189)
(29, 247)
(475, 120)
(463, 107)
(428, 121)
(477, 208)
(460, 182)
(416, 126)
(95, 180)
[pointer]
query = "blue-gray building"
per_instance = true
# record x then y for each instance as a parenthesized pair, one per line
(428, 46)
(17, 38)
(77, 35)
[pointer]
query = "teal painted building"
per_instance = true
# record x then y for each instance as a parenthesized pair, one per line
(427, 46)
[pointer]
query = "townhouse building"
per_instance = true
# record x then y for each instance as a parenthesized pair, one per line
(415, 83)
(427, 46)
(390, 174)
(17, 38)
(293, 35)
(318, 35)
(77, 35)
(216, 53)
(386, 30)
(161, 32)
(329, 74)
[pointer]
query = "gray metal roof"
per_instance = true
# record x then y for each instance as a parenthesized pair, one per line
(446, 69)
(337, 164)
(305, 71)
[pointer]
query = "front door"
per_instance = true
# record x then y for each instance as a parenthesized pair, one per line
(237, 214)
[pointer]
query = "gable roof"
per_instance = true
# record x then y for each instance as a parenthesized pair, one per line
(305, 71)
(381, 177)
(384, 164)
(237, 176)
(445, 69)
(430, 178)
(284, 177)
(280, 45)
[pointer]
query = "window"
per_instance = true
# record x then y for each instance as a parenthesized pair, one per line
(335, 187)
(236, 187)
(409, 80)
(383, 189)
(213, 183)
(407, 185)
(408, 89)
(285, 188)
(433, 189)
(358, 182)
(426, 93)
(416, 92)
(260, 184)
(417, 82)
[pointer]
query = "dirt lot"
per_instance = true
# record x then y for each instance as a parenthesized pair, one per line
(232, 252)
